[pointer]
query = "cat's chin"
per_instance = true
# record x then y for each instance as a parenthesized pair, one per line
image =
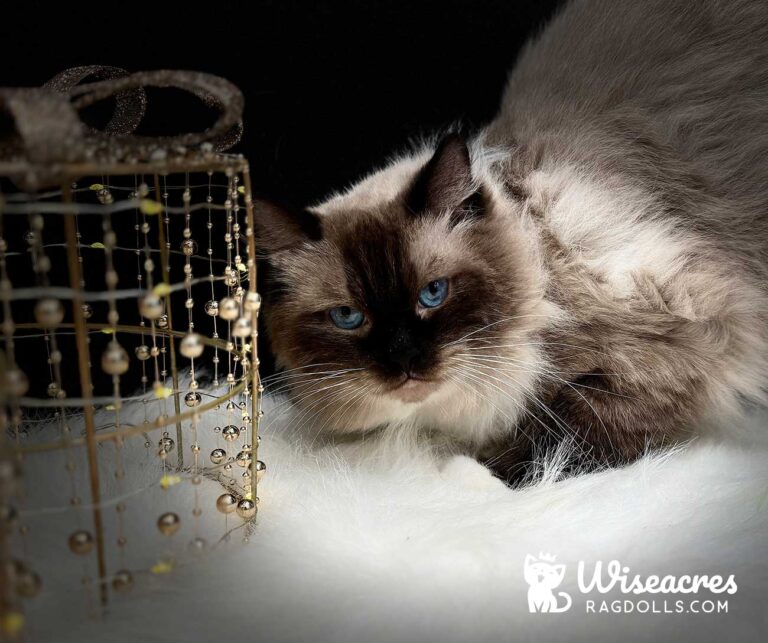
(413, 390)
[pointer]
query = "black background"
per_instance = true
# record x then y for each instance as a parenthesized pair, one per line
(331, 88)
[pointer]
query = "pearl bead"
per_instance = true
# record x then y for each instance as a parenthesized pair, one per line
(191, 345)
(114, 361)
(229, 309)
(242, 327)
(246, 508)
(168, 523)
(261, 470)
(16, 382)
(198, 544)
(226, 503)
(230, 433)
(252, 302)
(162, 321)
(151, 306)
(192, 399)
(81, 542)
(87, 311)
(244, 458)
(142, 352)
(218, 456)
(212, 308)
(49, 313)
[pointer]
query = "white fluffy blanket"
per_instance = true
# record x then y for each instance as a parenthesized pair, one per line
(386, 541)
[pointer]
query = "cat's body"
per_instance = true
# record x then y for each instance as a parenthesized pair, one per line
(605, 254)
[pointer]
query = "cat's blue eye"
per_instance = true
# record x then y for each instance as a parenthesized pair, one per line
(347, 317)
(434, 293)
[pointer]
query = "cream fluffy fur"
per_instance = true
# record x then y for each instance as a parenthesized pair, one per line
(385, 540)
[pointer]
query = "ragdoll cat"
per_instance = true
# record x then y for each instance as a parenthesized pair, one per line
(590, 268)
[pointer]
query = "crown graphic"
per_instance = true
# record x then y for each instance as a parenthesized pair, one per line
(547, 557)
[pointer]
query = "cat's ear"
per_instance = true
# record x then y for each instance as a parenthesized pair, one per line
(529, 560)
(445, 183)
(281, 227)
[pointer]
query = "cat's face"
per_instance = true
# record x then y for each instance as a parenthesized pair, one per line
(540, 573)
(389, 304)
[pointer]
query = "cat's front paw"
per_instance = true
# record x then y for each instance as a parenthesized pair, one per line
(470, 473)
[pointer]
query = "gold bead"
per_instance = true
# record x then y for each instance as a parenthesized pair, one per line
(226, 503)
(244, 458)
(230, 433)
(212, 307)
(122, 581)
(192, 399)
(168, 523)
(81, 542)
(218, 456)
(246, 508)
(166, 444)
(189, 247)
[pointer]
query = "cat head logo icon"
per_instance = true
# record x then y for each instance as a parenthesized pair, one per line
(544, 575)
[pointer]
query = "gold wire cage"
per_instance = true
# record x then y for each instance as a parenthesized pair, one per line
(102, 276)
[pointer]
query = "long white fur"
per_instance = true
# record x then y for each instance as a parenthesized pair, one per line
(388, 540)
